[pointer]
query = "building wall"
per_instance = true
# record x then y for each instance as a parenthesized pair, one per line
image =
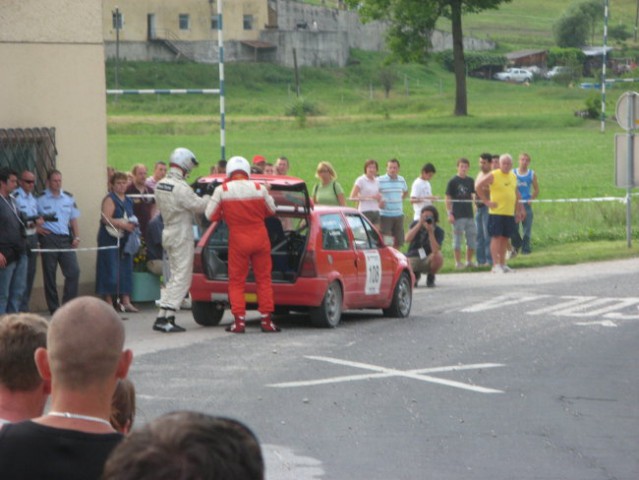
(135, 19)
(56, 79)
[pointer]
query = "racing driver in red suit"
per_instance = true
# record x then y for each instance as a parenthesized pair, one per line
(244, 205)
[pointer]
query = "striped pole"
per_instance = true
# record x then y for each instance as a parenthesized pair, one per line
(603, 69)
(220, 45)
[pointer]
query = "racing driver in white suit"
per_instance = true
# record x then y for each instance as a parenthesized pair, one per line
(177, 203)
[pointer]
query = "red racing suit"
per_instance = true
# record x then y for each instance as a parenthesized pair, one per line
(244, 205)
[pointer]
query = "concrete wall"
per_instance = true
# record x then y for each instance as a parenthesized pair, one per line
(320, 36)
(56, 79)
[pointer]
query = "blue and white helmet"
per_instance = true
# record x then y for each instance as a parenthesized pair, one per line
(183, 158)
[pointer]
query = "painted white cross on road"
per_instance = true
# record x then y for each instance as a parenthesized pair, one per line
(383, 372)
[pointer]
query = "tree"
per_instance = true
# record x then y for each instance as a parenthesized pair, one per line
(411, 25)
(571, 30)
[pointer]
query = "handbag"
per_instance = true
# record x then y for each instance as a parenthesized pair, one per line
(116, 232)
(134, 242)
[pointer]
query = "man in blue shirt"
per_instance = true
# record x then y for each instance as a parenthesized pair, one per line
(529, 189)
(28, 206)
(394, 190)
(62, 235)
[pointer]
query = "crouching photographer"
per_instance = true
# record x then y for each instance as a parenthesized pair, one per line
(425, 239)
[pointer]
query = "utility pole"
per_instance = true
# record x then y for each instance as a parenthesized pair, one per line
(117, 23)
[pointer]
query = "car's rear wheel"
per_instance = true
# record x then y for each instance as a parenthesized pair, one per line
(402, 298)
(207, 314)
(329, 313)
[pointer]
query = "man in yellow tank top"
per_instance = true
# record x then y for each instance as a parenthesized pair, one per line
(505, 210)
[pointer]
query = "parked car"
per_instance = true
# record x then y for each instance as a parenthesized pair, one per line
(325, 260)
(514, 75)
(557, 71)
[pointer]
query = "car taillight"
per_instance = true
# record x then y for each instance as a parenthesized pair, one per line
(309, 265)
(197, 261)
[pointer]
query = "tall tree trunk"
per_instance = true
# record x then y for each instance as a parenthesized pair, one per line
(461, 108)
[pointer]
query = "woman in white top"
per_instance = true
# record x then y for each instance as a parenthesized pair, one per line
(366, 192)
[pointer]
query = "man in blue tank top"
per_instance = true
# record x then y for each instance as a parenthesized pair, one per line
(529, 190)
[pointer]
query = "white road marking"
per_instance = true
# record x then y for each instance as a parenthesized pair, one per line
(602, 323)
(383, 372)
(502, 301)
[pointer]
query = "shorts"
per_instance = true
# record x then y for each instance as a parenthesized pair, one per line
(373, 216)
(420, 265)
(501, 225)
(467, 227)
(393, 226)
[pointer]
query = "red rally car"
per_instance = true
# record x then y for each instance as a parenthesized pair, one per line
(325, 260)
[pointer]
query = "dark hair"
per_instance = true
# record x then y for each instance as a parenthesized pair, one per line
(221, 163)
(429, 168)
(433, 210)
(5, 173)
(52, 173)
(486, 156)
(370, 161)
(394, 160)
(187, 445)
(463, 160)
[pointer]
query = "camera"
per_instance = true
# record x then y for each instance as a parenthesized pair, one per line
(429, 220)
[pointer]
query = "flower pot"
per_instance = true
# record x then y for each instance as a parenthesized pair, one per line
(146, 287)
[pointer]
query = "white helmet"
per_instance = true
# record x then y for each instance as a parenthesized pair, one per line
(183, 158)
(237, 163)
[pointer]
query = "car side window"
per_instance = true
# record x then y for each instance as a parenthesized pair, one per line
(334, 235)
(373, 235)
(359, 232)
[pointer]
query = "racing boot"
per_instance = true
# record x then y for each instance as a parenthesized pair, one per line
(267, 325)
(238, 326)
(167, 325)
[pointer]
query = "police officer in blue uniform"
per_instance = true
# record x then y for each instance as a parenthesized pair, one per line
(28, 206)
(62, 234)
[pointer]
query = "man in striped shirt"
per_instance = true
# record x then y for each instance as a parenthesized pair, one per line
(394, 190)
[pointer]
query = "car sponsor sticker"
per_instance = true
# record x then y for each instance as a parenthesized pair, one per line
(373, 272)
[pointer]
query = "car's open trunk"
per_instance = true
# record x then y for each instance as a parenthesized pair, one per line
(288, 230)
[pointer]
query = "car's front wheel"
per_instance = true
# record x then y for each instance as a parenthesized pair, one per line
(329, 313)
(402, 298)
(207, 314)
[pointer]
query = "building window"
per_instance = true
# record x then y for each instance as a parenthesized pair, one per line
(30, 149)
(248, 22)
(214, 22)
(184, 21)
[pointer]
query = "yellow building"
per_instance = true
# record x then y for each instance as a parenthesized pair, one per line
(53, 111)
(169, 29)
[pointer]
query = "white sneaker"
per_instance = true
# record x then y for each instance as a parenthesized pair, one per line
(497, 269)
(471, 265)
(507, 269)
(460, 266)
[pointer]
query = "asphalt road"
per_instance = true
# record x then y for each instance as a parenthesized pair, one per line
(531, 375)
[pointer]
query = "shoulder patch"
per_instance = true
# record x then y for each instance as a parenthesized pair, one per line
(68, 193)
(165, 187)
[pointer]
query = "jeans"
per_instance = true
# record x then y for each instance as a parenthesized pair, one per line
(13, 283)
(517, 240)
(483, 238)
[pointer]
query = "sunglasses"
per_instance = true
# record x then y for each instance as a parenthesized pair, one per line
(28, 181)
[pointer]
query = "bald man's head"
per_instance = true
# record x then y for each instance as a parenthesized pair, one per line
(85, 343)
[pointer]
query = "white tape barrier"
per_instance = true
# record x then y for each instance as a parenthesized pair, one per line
(84, 249)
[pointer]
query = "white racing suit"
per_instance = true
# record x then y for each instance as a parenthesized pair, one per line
(177, 203)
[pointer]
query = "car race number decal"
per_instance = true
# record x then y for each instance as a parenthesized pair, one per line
(373, 273)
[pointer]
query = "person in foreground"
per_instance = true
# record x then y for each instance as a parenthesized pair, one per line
(23, 393)
(244, 205)
(83, 361)
(425, 239)
(188, 445)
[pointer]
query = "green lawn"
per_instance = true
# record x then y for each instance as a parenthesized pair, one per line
(572, 158)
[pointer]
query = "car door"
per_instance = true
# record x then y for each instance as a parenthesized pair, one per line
(337, 253)
(375, 263)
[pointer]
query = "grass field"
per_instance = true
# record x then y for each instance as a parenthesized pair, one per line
(352, 121)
